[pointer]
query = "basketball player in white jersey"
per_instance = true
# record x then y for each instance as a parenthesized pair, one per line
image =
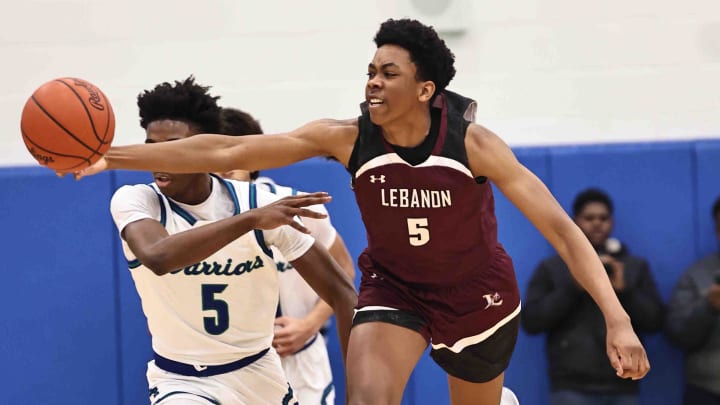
(199, 250)
(301, 314)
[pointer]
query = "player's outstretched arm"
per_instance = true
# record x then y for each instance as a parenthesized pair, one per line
(490, 156)
(164, 253)
(333, 286)
(207, 153)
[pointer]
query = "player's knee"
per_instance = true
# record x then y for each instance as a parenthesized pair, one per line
(372, 392)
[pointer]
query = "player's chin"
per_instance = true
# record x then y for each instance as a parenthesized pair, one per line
(168, 188)
(377, 116)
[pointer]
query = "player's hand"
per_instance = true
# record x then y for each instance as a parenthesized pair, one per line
(285, 211)
(95, 168)
(291, 334)
(626, 353)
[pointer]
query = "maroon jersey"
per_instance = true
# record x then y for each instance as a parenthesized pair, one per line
(431, 222)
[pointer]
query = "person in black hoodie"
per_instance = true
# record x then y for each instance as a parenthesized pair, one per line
(557, 305)
(693, 324)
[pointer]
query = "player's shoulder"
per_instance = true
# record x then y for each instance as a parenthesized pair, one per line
(488, 155)
(279, 190)
(237, 184)
(480, 135)
(337, 124)
(241, 189)
(134, 196)
(269, 185)
(134, 190)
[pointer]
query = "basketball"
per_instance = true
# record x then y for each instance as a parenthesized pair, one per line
(67, 124)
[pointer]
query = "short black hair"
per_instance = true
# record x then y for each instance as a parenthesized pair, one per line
(182, 101)
(433, 59)
(237, 123)
(716, 208)
(591, 195)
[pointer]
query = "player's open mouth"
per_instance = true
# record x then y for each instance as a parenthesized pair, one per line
(374, 102)
(162, 179)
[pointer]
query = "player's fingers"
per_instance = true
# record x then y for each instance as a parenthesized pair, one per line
(280, 349)
(615, 361)
(314, 194)
(283, 341)
(283, 351)
(631, 365)
(281, 336)
(300, 227)
(307, 202)
(639, 371)
(309, 199)
(628, 362)
(304, 212)
(642, 366)
(82, 173)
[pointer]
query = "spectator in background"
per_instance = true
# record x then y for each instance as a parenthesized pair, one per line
(557, 305)
(693, 324)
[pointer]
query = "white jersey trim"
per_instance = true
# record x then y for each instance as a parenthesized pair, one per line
(390, 158)
(375, 308)
(471, 340)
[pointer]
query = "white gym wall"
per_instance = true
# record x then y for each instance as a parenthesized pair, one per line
(542, 71)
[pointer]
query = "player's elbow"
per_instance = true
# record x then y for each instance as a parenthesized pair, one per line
(158, 264)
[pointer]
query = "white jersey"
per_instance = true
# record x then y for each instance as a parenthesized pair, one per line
(221, 309)
(308, 370)
(297, 298)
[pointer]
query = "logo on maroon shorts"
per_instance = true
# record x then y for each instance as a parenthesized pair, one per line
(493, 300)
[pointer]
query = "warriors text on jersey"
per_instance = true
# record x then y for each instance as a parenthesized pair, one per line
(222, 308)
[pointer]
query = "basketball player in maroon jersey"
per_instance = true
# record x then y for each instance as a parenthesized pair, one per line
(433, 271)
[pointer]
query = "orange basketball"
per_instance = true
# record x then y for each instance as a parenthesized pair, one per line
(67, 124)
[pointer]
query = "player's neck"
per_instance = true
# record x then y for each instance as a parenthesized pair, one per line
(409, 130)
(196, 192)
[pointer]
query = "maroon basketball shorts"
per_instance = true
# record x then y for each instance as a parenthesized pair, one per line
(472, 326)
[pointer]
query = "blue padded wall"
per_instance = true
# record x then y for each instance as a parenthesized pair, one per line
(74, 325)
(59, 342)
(524, 243)
(707, 155)
(652, 189)
(135, 343)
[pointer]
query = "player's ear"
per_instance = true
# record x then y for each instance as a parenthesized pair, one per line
(427, 89)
